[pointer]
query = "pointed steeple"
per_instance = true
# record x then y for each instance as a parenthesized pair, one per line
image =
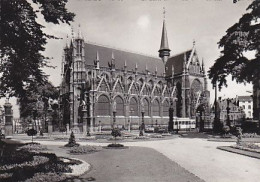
(136, 66)
(125, 66)
(172, 71)
(164, 38)
(113, 61)
(79, 33)
(164, 51)
(97, 60)
(202, 66)
(67, 42)
(97, 56)
(72, 32)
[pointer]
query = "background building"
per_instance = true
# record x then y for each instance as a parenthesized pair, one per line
(236, 113)
(246, 102)
(103, 86)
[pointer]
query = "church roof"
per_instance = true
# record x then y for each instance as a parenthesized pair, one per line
(105, 54)
(177, 61)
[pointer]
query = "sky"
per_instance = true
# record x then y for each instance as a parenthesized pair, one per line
(136, 26)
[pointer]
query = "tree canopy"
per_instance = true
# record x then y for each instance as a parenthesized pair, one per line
(241, 38)
(38, 101)
(23, 41)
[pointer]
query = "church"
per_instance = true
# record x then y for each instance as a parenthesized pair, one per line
(103, 87)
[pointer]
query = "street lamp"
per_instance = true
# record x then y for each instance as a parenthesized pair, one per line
(130, 121)
(228, 112)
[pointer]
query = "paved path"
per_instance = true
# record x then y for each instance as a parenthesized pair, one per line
(201, 158)
(135, 164)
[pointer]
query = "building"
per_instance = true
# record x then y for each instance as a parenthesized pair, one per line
(103, 86)
(236, 113)
(246, 102)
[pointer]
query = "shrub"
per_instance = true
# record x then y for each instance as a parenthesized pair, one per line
(115, 133)
(226, 129)
(72, 141)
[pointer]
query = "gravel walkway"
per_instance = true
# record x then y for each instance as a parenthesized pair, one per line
(129, 165)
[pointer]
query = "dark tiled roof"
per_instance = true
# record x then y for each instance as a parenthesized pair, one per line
(245, 98)
(177, 62)
(105, 55)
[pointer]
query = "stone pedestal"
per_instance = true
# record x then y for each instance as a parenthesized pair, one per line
(67, 128)
(85, 122)
(50, 128)
(8, 119)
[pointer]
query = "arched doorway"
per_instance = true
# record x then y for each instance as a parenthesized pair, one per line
(200, 117)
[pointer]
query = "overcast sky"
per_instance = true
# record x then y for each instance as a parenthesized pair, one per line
(136, 25)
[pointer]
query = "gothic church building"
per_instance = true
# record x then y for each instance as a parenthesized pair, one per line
(103, 86)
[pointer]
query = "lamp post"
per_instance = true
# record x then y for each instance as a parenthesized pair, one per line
(228, 112)
(217, 124)
(130, 121)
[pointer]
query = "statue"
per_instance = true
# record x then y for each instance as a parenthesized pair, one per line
(114, 106)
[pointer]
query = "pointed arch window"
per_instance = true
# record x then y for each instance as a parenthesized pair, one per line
(119, 106)
(133, 110)
(166, 108)
(156, 108)
(103, 106)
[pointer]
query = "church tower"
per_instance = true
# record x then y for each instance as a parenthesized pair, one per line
(78, 76)
(164, 51)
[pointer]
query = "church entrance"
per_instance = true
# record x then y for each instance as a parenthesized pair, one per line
(200, 118)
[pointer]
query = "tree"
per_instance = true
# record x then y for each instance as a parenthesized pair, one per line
(23, 41)
(38, 100)
(242, 37)
(32, 132)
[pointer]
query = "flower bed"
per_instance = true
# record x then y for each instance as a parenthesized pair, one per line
(250, 135)
(157, 136)
(248, 147)
(33, 147)
(141, 138)
(37, 160)
(88, 138)
(84, 149)
(43, 177)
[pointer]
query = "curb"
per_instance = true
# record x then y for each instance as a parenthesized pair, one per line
(241, 152)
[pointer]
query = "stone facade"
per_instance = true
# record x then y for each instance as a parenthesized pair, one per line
(103, 86)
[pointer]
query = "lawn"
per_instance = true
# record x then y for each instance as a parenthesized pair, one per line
(28, 162)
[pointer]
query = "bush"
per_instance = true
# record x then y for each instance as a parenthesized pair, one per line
(116, 132)
(72, 141)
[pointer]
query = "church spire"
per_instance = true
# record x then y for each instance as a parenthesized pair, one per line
(164, 51)
(202, 66)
